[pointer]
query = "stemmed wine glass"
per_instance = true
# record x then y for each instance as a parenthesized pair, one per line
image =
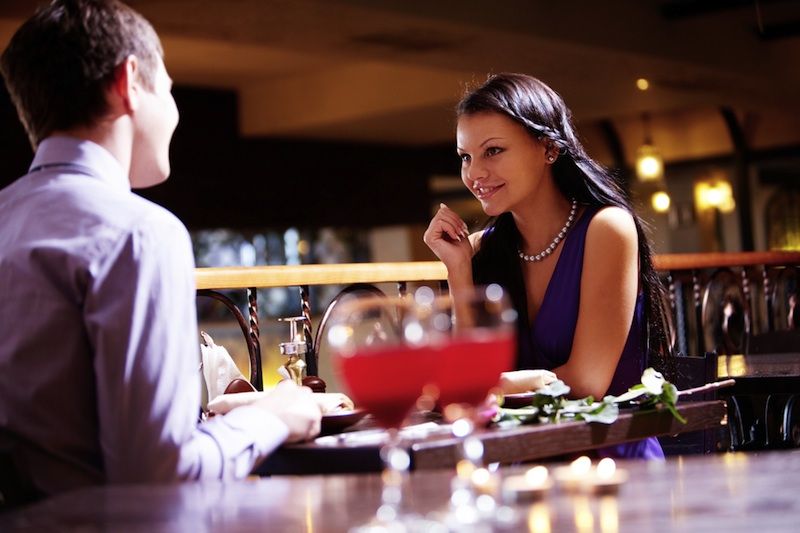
(474, 338)
(381, 355)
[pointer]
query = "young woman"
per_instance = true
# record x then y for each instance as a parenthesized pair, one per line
(564, 242)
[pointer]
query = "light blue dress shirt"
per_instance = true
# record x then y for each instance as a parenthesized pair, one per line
(99, 351)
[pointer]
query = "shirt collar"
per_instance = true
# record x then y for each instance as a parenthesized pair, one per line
(86, 156)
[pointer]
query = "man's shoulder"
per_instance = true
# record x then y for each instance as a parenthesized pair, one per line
(85, 216)
(150, 213)
(123, 209)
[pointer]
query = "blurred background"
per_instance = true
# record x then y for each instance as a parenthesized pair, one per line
(321, 131)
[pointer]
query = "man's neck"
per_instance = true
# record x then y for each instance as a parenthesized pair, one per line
(112, 136)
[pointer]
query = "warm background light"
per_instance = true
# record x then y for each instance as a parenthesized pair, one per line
(660, 202)
(649, 164)
(642, 84)
(714, 194)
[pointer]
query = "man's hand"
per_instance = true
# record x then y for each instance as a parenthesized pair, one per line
(296, 407)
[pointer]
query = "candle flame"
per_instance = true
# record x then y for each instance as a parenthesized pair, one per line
(536, 476)
(606, 468)
(480, 477)
(581, 466)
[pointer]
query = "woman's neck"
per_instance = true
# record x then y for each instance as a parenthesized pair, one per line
(540, 220)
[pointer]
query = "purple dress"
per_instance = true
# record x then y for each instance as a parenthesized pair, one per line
(548, 342)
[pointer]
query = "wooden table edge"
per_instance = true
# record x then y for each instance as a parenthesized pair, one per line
(539, 441)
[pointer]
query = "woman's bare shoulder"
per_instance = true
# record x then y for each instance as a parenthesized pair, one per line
(612, 225)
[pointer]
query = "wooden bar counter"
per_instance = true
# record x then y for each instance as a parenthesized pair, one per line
(723, 492)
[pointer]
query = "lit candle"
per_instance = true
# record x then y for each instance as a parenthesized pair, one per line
(534, 484)
(607, 477)
(581, 466)
(606, 468)
(582, 476)
(574, 476)
(483, 481)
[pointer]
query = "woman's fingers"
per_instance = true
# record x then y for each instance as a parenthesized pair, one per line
(451, 215)
(445, 213)
(444, 224)
(450, 229)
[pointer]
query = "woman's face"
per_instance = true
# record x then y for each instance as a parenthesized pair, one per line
(501, 163)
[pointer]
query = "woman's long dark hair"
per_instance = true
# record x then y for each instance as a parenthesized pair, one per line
(543, 113)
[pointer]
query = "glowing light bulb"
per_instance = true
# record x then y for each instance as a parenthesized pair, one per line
(660, 202)
(649, 164)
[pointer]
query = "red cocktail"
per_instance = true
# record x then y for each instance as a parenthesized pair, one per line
(385, 381)
(469, 366)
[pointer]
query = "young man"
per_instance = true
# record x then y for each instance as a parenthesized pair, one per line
(99, 378)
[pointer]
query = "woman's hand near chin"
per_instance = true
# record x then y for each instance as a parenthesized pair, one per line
(447, 237)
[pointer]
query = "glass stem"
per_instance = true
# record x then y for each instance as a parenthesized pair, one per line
(396, 463)
(469, 481)
(470, 447)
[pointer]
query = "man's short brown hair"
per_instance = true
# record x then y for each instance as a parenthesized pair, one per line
(60, 62)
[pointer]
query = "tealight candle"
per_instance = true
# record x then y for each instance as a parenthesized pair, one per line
(607, 477)
(576, 475)
(483, 481)
(534, 484)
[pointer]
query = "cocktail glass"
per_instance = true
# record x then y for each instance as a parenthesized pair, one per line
(382, 356)
(474, 336)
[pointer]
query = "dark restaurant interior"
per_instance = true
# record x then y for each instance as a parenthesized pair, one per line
(322, 132)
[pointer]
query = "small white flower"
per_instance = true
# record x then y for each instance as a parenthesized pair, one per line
(653, 381)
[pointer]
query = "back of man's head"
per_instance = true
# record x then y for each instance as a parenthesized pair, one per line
(60, 62)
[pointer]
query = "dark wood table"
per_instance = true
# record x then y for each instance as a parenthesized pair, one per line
(510, 445)
(728, 492)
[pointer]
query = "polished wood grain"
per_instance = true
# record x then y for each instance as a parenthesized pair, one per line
(522, 443)
(342, 274)
(726, 492)
(727, 259)
(759, 365)
(297, 275)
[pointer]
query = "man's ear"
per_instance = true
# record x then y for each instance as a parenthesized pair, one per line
(125, 88)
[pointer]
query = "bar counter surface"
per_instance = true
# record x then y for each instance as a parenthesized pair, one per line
(723, 492)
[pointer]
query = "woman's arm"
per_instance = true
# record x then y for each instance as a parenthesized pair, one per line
(609, 285)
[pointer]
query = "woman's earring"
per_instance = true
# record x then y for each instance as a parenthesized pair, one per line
(551, 158)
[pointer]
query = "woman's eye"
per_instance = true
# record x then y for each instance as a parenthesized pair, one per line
(493, 150)
(465, 158)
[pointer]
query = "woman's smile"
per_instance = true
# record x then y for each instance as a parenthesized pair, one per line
(484, 192)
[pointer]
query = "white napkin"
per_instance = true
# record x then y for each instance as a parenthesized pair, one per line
(525, 380)
(218, 367)
(329, 402)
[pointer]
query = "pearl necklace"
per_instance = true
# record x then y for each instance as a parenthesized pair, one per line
(553, 245)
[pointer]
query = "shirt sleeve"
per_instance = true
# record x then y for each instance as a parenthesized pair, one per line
(141, 318)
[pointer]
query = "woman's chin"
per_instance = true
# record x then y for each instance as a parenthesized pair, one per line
(491, 209)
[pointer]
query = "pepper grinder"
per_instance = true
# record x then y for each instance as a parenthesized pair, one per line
(294, 350)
